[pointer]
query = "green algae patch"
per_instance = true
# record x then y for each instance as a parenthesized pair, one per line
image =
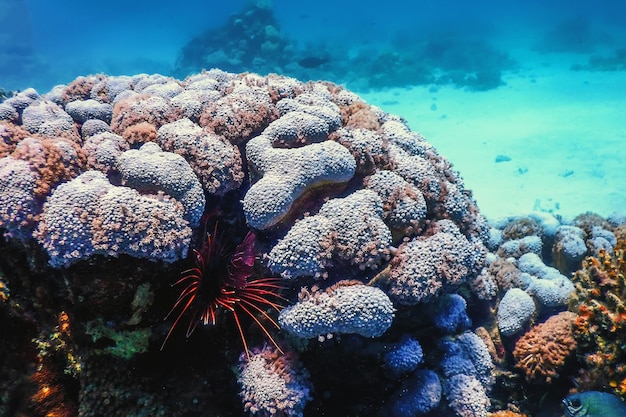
(120, 343)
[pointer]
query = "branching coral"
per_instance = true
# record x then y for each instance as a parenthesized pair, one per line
(543, 351)
(600, 328)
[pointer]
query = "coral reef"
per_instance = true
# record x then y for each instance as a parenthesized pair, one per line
(109, 182)
(252, 40)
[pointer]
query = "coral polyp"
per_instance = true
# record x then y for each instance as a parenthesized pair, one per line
(222, 280)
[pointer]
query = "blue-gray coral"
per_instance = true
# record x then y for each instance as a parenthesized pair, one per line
(18, 205)
(83, 110)
(426, 267)
(514, 311)
(215, 161)
(349, 229)
(287, 173)
(48, 119)
(547, 284)
(150, 169)
(297, 128)
(346, 307)
(316, 103)
(88, 216)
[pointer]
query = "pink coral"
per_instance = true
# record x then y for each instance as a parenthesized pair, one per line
(141, 108)
(240, 115)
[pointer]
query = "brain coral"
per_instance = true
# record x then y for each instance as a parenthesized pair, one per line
(346, 307)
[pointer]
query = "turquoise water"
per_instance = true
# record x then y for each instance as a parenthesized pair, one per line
(362, 44)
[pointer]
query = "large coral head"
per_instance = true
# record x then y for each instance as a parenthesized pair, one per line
(222, 280)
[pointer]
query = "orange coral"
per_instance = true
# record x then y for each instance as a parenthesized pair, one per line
(55, 160)
(142, 108)
(544, 349)
(360, 115)
(140, 133)
(600, 327)
(506, 413)
(10, 136)
(80, 88)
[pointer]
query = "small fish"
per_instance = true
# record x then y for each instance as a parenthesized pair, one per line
(313, 61)
(594, 404)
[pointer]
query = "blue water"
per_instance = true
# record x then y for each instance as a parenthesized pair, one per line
(45, 43)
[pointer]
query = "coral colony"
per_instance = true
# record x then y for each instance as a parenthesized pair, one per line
(346, 270)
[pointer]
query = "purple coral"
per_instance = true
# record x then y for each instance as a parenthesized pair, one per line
(449, 314)
(418, 395)
(273, 383)
(404, 357)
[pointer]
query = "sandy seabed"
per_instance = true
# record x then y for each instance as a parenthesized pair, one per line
(551, 139)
